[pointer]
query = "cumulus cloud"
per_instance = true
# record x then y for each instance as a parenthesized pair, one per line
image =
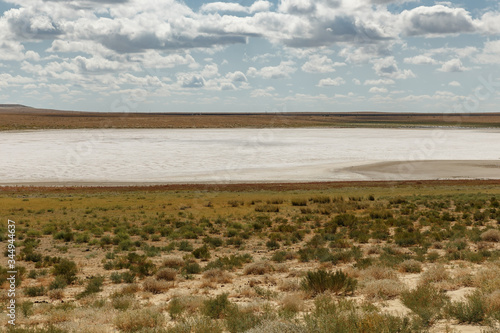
(436, 20)
(453, 65)
(282, 71)
(454, 84)
(377, 90)
(420, 60)
(188, 80)
(387, 67)
(320, 64)
(258, 6)
(378, 82)
(328, 82)
(490, 53)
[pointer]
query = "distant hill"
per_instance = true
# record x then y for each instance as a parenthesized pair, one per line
(13, 106)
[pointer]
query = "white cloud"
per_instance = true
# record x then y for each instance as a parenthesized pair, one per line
(283, 70)
(377, 90)
(436, 20)
(320, 64)
(490, 53)
(267, 92)
(387, 67)
(454, 84)
(453, 65)
(420, 60)
(378, 82)
(328, 82)
(258, 6)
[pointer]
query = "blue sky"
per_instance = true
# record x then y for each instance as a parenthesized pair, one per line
(260, 56)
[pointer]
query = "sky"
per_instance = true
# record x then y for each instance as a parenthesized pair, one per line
(251, 56)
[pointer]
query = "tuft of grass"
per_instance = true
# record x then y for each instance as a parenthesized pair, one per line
(137, 320)
(321, 281)
(426, 301)
(167, 274)
(471, 311)
(155, 286)
(492, 235)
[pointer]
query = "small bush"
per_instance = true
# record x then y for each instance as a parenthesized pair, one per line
(58, 283)
(216, 308)
(258, 268)
(217, 276)
(426, 301)
(410, 266)
(321, 281)
(382, 289)
(34, 291)
(202, 253)
(122, 302)
(66, 269)
(56, 294)
(93, 286)
(167, 274)
(492, 235)
(136, 320)
(240, 321)
(155, 286)
(472, 311)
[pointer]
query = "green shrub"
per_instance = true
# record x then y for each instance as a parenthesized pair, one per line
(217, 308)
(202, 253)
(299, 202)
(321, 281)
(58, 283)
(34, 291)
(67, 270)
(94, 285)
(472, 311)
(240, 321)
(426, 301)
(346, 317)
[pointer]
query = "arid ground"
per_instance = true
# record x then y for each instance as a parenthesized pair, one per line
(318, 257)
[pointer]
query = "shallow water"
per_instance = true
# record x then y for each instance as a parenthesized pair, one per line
(228, 155)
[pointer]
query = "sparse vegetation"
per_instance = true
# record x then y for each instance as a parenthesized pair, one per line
(286, 261)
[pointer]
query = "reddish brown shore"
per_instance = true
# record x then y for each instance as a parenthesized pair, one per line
(16, 117)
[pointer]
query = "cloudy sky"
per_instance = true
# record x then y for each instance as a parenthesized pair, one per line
(264, 56)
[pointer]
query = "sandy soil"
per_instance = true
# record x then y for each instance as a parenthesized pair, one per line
(415, 170)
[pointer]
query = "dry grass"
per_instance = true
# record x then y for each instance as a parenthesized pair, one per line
(173, 262)
(154, 286)
(382, 289)
(217, 276)
(258, 268)
(167, 274)
(492, 235)
(377, 273)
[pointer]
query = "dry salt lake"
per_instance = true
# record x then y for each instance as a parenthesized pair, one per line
(126, 156)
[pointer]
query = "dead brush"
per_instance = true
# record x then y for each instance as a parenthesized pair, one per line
(492, 235)
(258, 268)
(173, 262)
(289, 285)
(167, 274)
(154, 286)
(293, 302)
(217, 275)
(382, 289)
(377, 273)
(435, 273)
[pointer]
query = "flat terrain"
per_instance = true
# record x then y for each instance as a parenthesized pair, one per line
(311, 257)
(19, 117)
(162, 156)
